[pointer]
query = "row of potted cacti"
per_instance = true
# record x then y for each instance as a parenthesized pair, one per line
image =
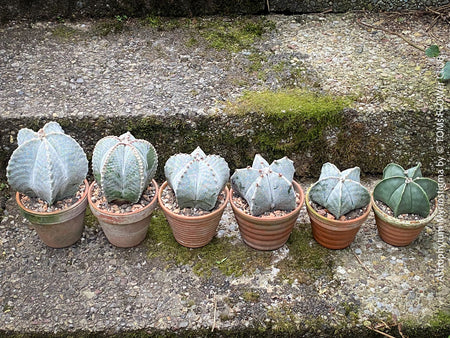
(50, 168)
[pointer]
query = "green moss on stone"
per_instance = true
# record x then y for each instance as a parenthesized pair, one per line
(221, 254)
(307, 259)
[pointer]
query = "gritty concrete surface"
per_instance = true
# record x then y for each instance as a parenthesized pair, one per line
(149, 78)
(94, 287)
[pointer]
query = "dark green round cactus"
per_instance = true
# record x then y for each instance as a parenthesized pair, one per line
(47, 164)
(406, 191)
(339, 192)
(123, 166)
(266, 187)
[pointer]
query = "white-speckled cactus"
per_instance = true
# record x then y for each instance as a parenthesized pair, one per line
(406, 191)
(339, 192)
(266, 187)
(47, 164)
(197, 179)
(123, 166)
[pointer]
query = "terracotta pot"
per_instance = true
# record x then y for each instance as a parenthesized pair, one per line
(334, 234)
(58, 229)
(193, 231)
(127, 229)
(266, 233)
(399, 232)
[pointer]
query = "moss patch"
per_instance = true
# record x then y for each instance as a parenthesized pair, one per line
(233, 34)
(307, 259)
(288, 120)
(219, 255)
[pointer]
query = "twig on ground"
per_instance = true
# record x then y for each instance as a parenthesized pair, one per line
(362, 264)
(392, 33)
(378, 331)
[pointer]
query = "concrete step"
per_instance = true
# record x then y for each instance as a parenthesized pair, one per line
(315, 88)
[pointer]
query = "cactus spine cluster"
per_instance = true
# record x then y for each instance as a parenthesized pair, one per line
(123, 166)
(266, 187)
(196, 179)
(47, 164)
(406, 191)
(339, 192)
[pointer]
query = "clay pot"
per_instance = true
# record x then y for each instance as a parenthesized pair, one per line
(266, 233)
(193, 231)
(58, 229)
(127, 229)
(334, 234)
(399, 232)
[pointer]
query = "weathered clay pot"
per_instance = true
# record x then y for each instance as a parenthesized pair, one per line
(396, 231)
(128, 229)
(334, 234)
(193, 231)
(266, 233)
(58, 229)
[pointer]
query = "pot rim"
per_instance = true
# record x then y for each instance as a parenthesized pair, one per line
(104, 212)
(336, 221)
(297, 187)
(200, 217)
(31, 211)
(401, 223)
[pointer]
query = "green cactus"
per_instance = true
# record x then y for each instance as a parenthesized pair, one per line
(339, 192)
(266, 187)
(123, 166)
(406, 191)
(197, 179)
(47, 164)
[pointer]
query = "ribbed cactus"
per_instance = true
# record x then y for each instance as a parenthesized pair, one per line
(406, 191)
(266, 187)
(123, 166)
(339, 192)
(196, 179)
(47, 164)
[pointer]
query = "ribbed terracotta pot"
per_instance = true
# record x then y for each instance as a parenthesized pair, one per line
(193, 231)
(58, 229)
(266, 233)
(128, 229)
(399, 232)
(334, 234)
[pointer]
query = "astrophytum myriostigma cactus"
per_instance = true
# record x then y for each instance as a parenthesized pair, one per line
(406, 191)
(123, 166)
(339, 192)
(196, 179)
(266, 187)
(47, 164)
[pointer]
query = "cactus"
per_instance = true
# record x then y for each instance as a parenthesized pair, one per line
(123, 166)
(266, 187)
(406, 191)
(196, 179)
(47, 164)
(339, 192)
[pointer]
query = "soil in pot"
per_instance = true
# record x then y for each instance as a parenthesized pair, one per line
(270, 230)
(335, 233)
(58, 225)
(403, 229)
(191, 227)
(124, 224)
